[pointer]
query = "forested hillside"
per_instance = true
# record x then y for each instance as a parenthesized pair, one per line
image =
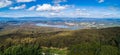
(36, 41)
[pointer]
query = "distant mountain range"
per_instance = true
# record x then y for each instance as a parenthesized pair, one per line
(70, 23)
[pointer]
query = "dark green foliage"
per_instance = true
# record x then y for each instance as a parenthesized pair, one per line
(84, 49)
(23, 50)
(92, 49)
(108, 50)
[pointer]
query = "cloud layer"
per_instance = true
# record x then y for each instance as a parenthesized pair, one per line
(56, 8)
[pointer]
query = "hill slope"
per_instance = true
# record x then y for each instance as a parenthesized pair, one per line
(75, 39)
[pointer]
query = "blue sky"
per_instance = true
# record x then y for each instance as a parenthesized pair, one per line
(60, 8)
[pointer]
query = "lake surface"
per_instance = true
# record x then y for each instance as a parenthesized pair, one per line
(47, 25)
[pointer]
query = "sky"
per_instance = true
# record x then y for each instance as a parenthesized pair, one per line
(60, 8)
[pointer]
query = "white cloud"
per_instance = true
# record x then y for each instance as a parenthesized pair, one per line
(44, 7)
(101, 1)
(48, 7)
(18, 7)
(32, 8)
(4, 3)
(25, 0)
(58, 8)
(56, 2)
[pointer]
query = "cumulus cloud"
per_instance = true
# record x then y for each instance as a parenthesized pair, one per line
(4, 3)
(25, 0)
(48, 7)
(101, 1)
(44, 7)
(18, 7)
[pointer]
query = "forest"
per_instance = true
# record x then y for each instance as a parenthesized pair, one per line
(43, 41)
